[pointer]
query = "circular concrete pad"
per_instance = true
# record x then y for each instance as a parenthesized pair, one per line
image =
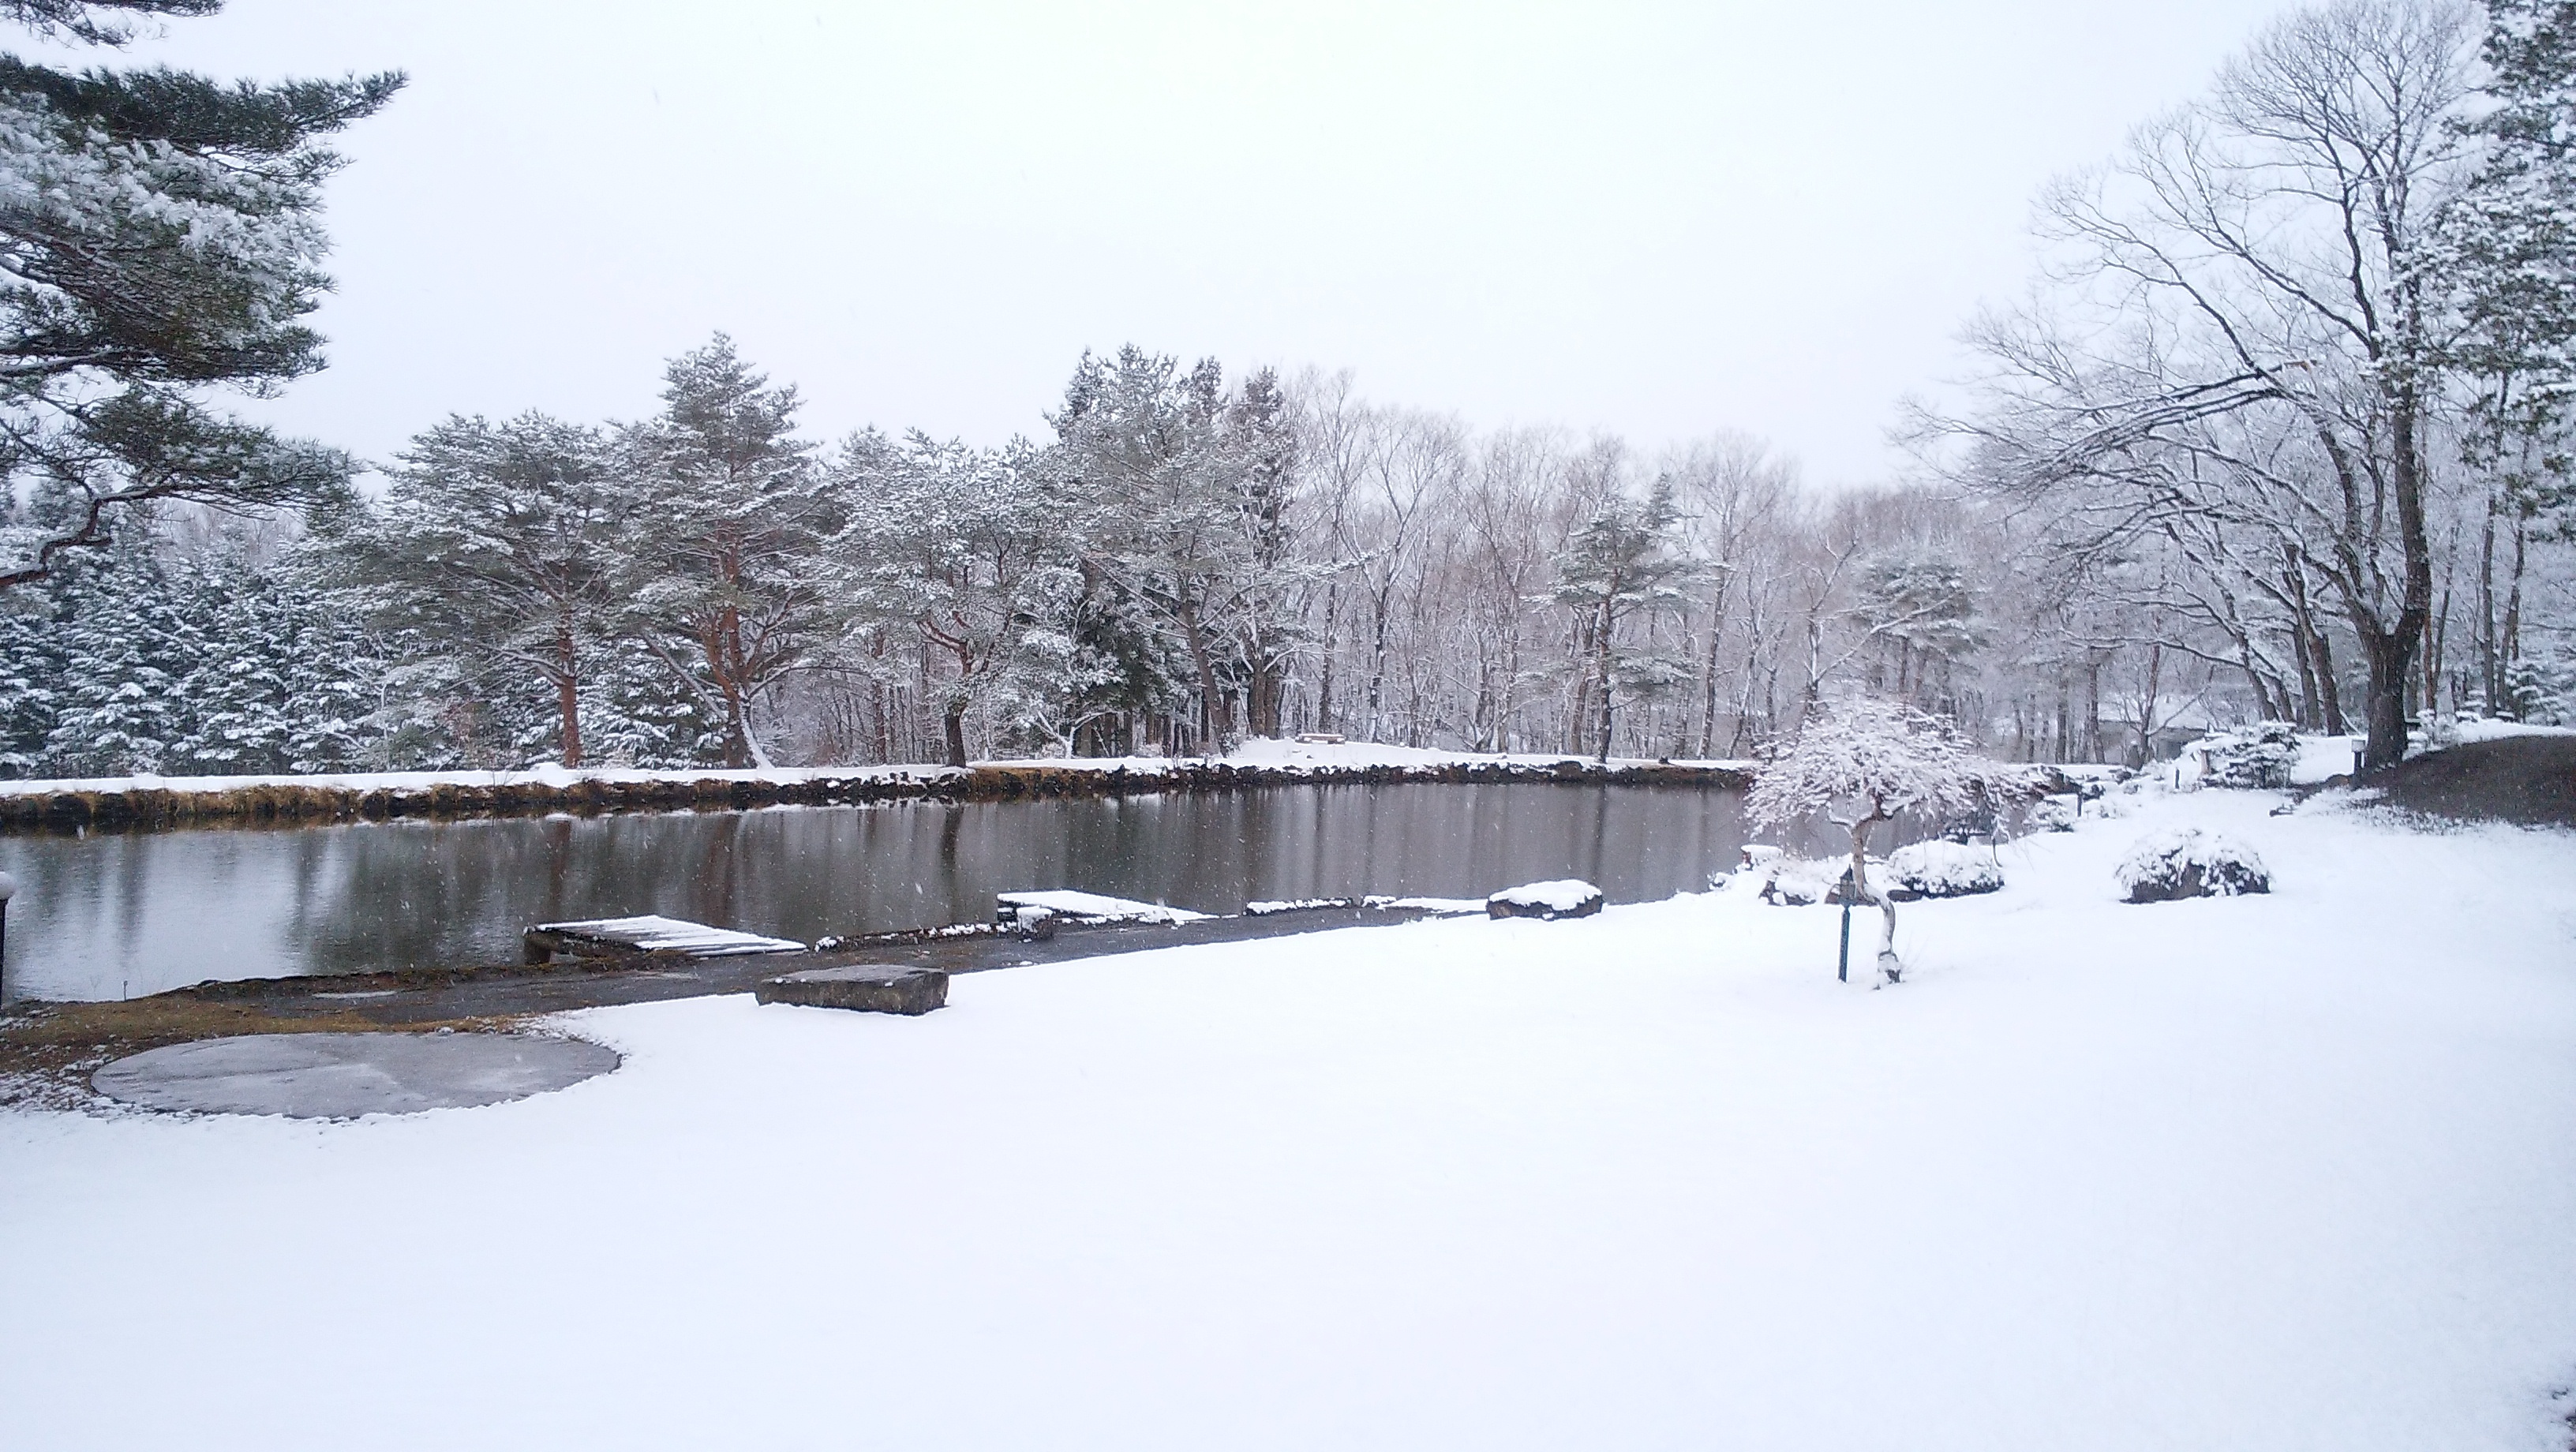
(341, 1076)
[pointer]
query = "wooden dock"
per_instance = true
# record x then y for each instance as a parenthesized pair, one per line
(637, 936)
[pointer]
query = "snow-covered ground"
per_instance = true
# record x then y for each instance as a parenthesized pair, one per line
(2292, 1171)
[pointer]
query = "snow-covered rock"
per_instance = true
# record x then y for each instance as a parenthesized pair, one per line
(2171, 865)
(1564, 898)
(1944, 869)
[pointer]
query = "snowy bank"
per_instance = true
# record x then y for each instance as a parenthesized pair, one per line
(154, 801)
(2256, 1172)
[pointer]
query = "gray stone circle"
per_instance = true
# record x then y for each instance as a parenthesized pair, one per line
(342, 1076)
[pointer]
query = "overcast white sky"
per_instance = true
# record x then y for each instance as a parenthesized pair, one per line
(1655, 220)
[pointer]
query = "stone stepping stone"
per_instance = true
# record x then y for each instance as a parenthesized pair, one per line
(865, 987)
(342, 1076)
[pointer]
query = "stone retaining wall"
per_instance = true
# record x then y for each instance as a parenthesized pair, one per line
(266, 805)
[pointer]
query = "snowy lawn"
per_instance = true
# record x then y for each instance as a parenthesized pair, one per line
(2295, 1171)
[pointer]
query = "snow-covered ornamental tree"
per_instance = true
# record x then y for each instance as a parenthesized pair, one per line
(1862, 762)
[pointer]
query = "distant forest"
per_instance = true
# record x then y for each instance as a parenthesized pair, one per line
(2282, 432)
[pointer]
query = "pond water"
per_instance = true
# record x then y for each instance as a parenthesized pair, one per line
(115, 916)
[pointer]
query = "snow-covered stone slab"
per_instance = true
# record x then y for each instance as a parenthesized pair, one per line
(868, 988)
(647, 933)
(1085, 909)
(1565, 898)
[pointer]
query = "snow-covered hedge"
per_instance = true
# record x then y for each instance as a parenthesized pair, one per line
(2054, 814)
(2172, 865)
(2263, 755)
(1944, 869)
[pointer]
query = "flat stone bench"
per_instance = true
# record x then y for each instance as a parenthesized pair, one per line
(866, 988)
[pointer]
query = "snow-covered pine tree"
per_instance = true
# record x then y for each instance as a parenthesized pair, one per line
(1917, 605)
(637, 713)
(1154, 491)
(1621, 568)
(495, 542)
(961, 547)
(160, 235)
(127, 645)
(2509, 250)
(723, 539)
(31, 671)
(237, 693)
(1261, 436)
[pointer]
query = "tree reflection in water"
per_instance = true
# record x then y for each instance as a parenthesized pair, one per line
(110, 916)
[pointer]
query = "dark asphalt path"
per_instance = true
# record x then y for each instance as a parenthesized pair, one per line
(437, 995)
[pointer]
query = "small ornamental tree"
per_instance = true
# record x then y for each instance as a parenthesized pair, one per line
(1862, 762)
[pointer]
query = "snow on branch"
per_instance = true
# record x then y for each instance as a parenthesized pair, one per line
(1874, 759)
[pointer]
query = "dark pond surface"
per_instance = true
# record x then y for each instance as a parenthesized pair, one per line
(115, 916)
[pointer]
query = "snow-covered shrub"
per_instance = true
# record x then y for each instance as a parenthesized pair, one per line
(2053, 814)
(1944, 869)
(2262, 755)
(2173, 865)
(1801, 881)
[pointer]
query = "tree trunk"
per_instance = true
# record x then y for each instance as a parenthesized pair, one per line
(1601, 670)
(2384, 708)
(952, 722)
(568, 694)
(1888, 963)
(1213, 703)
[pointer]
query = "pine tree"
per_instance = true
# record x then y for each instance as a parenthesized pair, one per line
(127, 646)
(31, 671)
(2510, 247)
(1620, 567)
(723, 538)
(958, 545)
(160, 235)
(1143, 467)
(495, 544)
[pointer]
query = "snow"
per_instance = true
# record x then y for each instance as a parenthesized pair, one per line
(2282, 1172)
(2482, 729)
(1092, 907)
(654, 933)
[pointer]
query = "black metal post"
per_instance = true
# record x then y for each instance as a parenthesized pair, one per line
(1842, 967)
